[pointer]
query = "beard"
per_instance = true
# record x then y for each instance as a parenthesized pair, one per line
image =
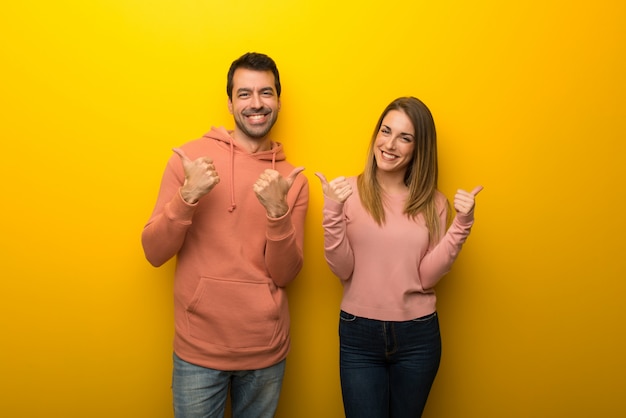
(255, 131)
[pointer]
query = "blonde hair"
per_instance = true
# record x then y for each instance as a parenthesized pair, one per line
(421, 174)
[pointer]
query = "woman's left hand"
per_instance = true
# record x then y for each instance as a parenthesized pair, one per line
(464, 202)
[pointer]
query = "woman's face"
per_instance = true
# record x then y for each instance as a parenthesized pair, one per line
(395, 142)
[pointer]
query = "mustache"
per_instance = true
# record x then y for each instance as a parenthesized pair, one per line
(261, 110)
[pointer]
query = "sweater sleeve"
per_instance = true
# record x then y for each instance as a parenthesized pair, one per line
(285, 238)
(165, 232)
(337, 249)
(438, 260)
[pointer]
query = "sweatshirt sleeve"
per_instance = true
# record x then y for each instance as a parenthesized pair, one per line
(164, 234)
(438, 261)
(285, 237)
(337, 249)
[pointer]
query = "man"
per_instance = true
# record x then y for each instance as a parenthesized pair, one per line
(232, 210)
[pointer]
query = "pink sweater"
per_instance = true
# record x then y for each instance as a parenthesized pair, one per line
(233, 262)
(389, 273)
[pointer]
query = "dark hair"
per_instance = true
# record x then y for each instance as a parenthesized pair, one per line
(252, 61)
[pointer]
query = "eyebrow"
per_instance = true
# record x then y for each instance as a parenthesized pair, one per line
(262, 89)
(401, 133)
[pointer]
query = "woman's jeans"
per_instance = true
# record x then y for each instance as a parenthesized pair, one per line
(387, 368)
(200, 392)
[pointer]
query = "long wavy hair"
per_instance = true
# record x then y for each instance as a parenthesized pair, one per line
(421, 174)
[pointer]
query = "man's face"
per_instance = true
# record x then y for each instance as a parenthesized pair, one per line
(255, 103)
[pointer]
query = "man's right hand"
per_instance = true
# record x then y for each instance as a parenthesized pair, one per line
(200, 177)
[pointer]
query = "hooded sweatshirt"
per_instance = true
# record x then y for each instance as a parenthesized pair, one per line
(233, 261)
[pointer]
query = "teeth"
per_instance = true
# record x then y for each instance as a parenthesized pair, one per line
(387, 155)
(256, 117)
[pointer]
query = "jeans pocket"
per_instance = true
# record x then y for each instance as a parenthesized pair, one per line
(425, 318)
(347, 317)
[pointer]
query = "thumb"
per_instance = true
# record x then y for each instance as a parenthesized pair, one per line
(292, 176)
(181, 154)
(476, 190)
(322, 178)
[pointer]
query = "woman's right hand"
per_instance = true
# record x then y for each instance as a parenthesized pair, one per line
(338, 189)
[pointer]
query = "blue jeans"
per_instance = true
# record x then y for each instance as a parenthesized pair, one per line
(200, 392)
(387, 368)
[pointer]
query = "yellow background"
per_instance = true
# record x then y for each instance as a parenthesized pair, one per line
(529, 100)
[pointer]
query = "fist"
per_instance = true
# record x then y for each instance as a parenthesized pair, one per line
(271, 189)
(464, 202)
(338, 189)
(200, 176)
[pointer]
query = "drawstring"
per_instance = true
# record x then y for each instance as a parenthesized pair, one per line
(233, 206)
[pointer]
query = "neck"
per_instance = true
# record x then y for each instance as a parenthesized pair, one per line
(252, 145)
(391, 182)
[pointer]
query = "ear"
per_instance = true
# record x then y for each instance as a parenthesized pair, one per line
(230, 106)
(279, 104)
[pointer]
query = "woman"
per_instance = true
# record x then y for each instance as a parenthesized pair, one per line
(385, 237)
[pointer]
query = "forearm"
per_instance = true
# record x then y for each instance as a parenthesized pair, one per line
(165, 232)
(438, 261)
(285, 239)
(337, 249)
(283, 254)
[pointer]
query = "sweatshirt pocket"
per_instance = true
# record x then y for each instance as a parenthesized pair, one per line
(233, 314)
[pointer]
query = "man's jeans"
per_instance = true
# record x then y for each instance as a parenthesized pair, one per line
(201, 393)
(387, 368)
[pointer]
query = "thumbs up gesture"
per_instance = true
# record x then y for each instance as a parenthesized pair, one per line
(271, 189)
(464, 202)
(338, 189)
(200, 176)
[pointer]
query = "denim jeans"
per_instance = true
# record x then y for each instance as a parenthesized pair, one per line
(387, 368)
(200, 392)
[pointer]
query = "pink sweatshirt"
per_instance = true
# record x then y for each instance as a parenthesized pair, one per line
(389, 273)
(233, 262)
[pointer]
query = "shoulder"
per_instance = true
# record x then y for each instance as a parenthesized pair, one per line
(354, 201)
(440, 198)
(441, 202)
(206, 147)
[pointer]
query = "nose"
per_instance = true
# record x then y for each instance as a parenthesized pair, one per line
(256, 101)
(390, 144)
